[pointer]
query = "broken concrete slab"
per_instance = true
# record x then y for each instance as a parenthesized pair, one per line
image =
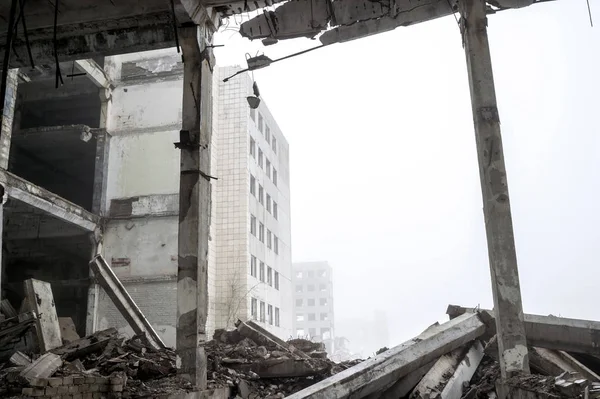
(43, 367)
(464, 372)
(559, 333)
(20, 359)
(41, 301)
(435, 379)
(383, 370)
(89, 344)
(109, 281)
(275, 338)
(67, 330)
(282, 368)
(405, 385)
(248, 331)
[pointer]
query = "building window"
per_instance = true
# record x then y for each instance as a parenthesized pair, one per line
(300, 332)
(260, 122)
(322, 287)
(274, 144)
(261, 194)
(252, 185)
(253, 265)
(252, 147)
(268, 203)
(275, 210)
(260, 157)
(298, 274)
(253, 225)
(322, 273)
(310, 288)
(276, 317)
(276, 280)
(324, 316)
(262, 271)
(253, 114)
(311, 317)
(274, 176)
(298, 303)
(261, 232)
(268, 167)
(311, 274)
(312, 332)
(269, 276)
(298, 288)
(325, 333)
(267, 133)
(311, 302)
(262, 311)
(270, 314)
(323, 301)
(276, 247)
(253, 307)
(269, 239)
(299, 317)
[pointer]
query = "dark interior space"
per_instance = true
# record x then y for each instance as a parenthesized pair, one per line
(58, 160)
(36, 245)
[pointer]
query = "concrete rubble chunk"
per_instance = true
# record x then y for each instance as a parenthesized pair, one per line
(282, 368)
(7, 309)
(435, 379)
(43, 367)
(20, 359)
(41, 300)
(67, 330)
(558, 333)
(384, 369)
(463, 373)
(109, 281)
(260, 338)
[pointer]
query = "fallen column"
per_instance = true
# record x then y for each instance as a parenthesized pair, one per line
(123, 301)
(41, 301)
(559, 333)
(383, 370)
(406, 384)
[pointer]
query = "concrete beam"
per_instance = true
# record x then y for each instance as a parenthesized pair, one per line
(406, 384)
(453, 388)
(383, 370)
(434, 380)
(95, 73)
(93, 39)
(42, 199)
(41, 301)
(559, 333)
(109, 281)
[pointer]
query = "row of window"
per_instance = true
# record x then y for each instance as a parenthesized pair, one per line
(311, 288)
(271, 205)
(311, 302)
(272, 239)
(312, 317)
(263, 162)
(272, 276)
(263, 128)
(311, 274)
(269, 312)
(312, 332)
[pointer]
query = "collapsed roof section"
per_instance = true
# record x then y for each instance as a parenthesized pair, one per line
(351, 19)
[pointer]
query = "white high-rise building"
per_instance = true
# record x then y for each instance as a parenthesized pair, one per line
(253, 252)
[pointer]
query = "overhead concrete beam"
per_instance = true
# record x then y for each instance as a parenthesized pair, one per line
(383, 370)
(559, 333)
(95, 73)
(94, 39)
(44, 200)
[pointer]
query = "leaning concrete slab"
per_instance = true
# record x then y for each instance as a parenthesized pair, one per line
(464, 372)
(41, 301)
(436, 377)
(276, 339)
(24, 191)
(403, 386)
(384, 369)
(43, 367)
(123, 301)
(248, 331)
(559, 333)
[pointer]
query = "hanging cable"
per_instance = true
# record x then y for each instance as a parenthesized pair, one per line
(590, 13)
(7, 51)
(57, 64)
(175, 25)
(25, 33)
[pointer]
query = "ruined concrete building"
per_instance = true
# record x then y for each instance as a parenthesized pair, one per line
(116, 159)
(313, 302)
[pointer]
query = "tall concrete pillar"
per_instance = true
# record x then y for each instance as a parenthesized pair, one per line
(494, 186)
(194, 204)
(8, 116)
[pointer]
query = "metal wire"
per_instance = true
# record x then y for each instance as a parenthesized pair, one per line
(590, 13)
(58, 73)
(7, 51)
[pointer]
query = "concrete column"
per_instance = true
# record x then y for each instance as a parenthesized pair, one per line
(8, 115)
(194, 204)
(496, 205)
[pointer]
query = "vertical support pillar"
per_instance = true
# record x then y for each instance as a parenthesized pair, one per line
(194, 204)
(506, 289)
(8, 115)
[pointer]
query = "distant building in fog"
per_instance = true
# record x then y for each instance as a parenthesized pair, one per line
(313, 302)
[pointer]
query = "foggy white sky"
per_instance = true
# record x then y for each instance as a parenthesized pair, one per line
(384, 172)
